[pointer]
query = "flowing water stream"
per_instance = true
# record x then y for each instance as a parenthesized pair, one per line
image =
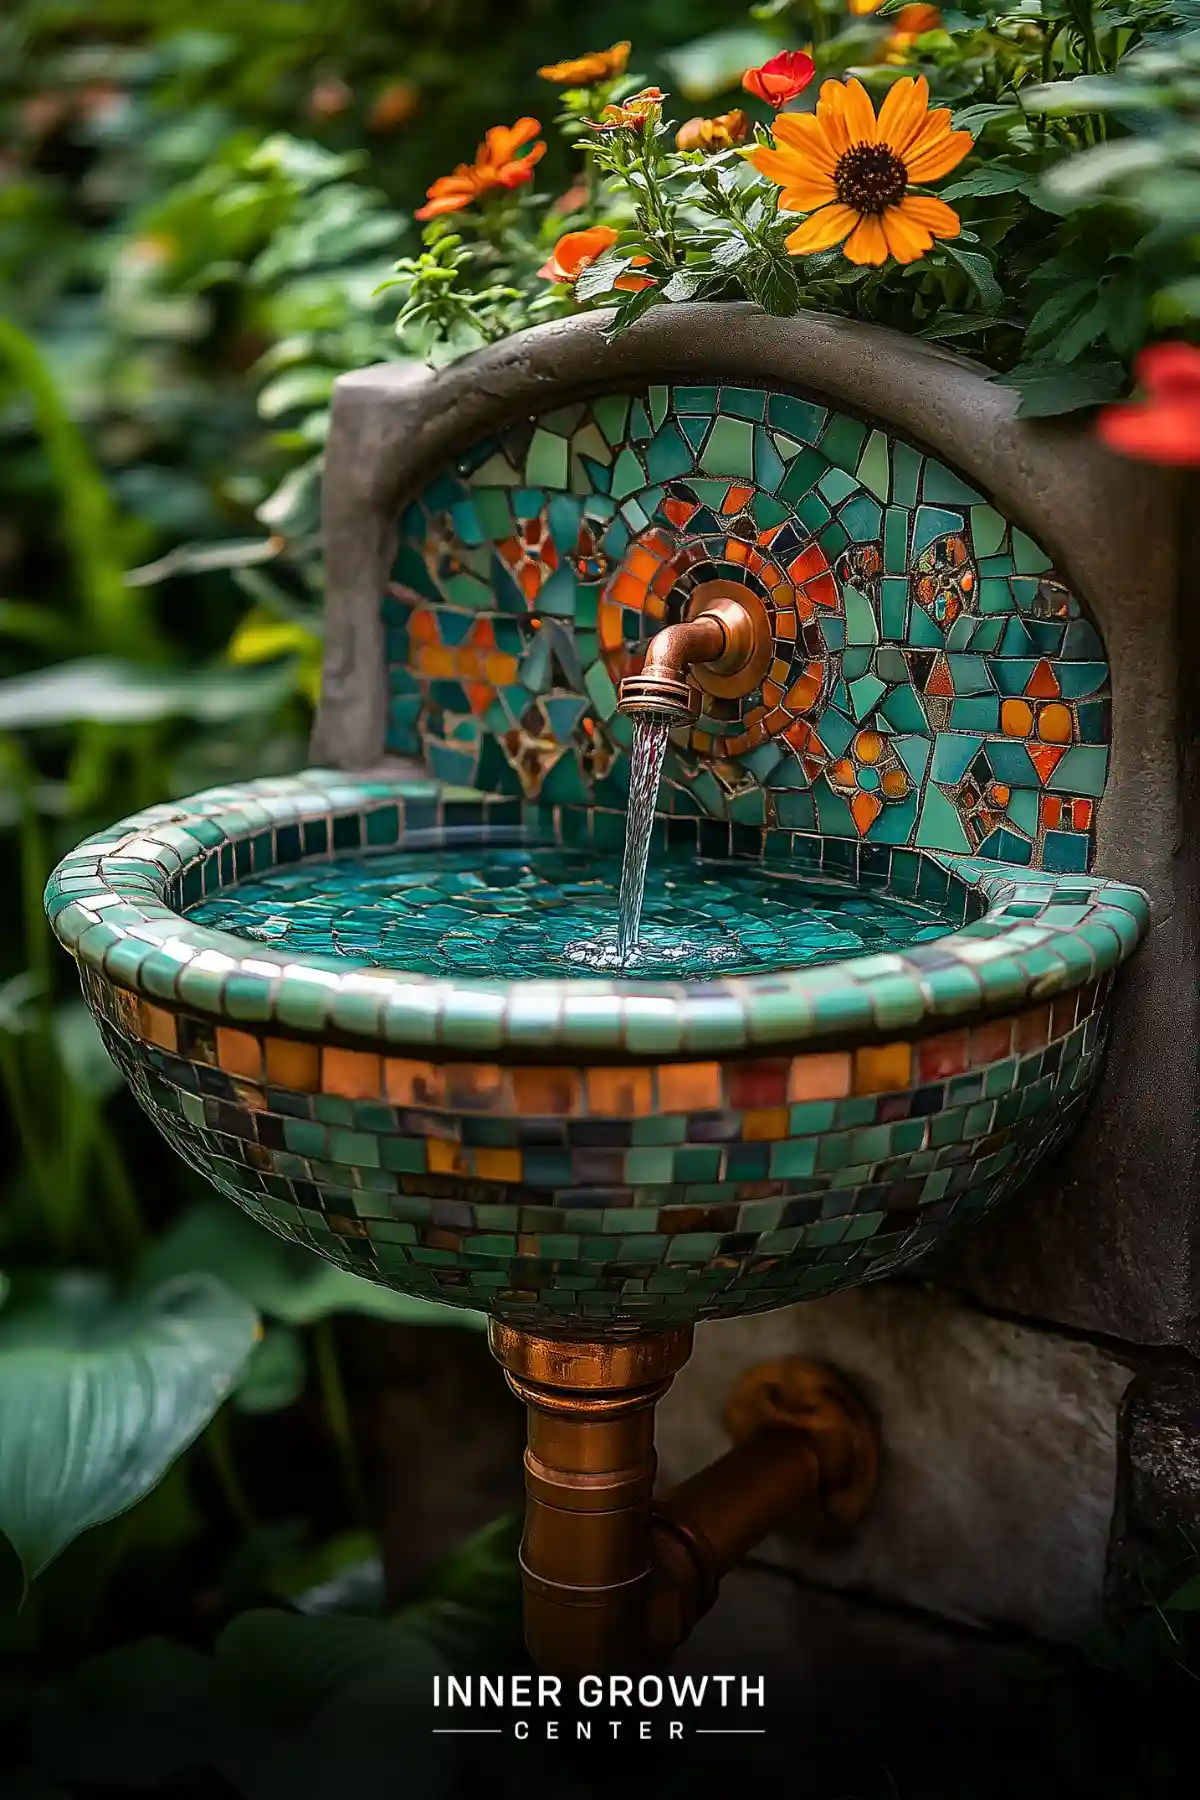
(645, 773)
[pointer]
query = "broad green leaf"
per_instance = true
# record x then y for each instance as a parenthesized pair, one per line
(105, 691)
(280, 1279)
(714, 64)
(274, 1374)
(85, 1061)
(601, 276)
(979, 271)
(286, 1705)
(1082, 177)
(980, 184)
(1046, 390)
(1185, 1598)
(98, 1397)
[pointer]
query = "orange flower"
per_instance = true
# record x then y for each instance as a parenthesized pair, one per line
(781, 79)
(586, 71)
(572, 254)
(632, 114)
(860, 8)
(911, 22)
(852, 171)
(497, 165)
(721, 133)
(394, 106)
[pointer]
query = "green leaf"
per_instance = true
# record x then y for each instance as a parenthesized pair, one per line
(979, 271)
(601, 276)
(980, 184)
(279, 1279)
(89, 522)
(286, 1705)
(107, 692)
(1046, 390)
(683, 285)
(1185, 1598)
(85, 1061)
(957, 325)
(275, 1373)
(99, 1397)
(1081, 177)
(294, 388)
(987, 112)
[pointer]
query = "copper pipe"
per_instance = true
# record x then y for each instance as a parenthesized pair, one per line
(721, 638)
(613, 1581)
(587, 1556)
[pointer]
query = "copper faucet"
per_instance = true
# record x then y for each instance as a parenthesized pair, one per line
(722, 646)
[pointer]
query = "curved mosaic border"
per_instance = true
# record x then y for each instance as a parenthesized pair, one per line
(115, 904)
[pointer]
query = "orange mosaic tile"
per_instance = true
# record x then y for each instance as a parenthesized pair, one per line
(620, 1093)
(157, 1026)
(825, 1076)
(239, 1053)
(292, 1064)
(549, 1092)
(689, 1087)
(880, 1068)
(352, 1074)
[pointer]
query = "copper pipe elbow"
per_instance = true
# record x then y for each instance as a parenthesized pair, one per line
(721, 638)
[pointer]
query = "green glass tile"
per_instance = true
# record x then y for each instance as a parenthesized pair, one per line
(895, 541)
(744, 403)
(862, 518)
(939, 826)
(667, 455)
(611, 412)
(628, 475)
(696, 400)
(842, 441)
(932, 522)
(943, 487)
(873, 468)
(768, 464)
(546, 463)
(1082, 771)
(730, 449)
(800, 419)
(1027, 557)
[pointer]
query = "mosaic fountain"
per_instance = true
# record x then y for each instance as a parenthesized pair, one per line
(373, 1002)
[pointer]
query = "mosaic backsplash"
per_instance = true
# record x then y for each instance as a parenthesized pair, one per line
(934, 683)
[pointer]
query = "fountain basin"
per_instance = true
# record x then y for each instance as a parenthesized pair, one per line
(591, 1154)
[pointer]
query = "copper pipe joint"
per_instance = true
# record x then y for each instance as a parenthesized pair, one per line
(721, 636)
(613, 1581)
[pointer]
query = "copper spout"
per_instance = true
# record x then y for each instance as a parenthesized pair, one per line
(721, 637)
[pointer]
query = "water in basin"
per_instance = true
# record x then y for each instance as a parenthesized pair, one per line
(512, 911)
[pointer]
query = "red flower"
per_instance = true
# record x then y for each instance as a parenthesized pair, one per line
(1164, 427)
(781, 79)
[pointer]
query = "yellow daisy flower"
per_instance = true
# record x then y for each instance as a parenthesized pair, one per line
(852, 171)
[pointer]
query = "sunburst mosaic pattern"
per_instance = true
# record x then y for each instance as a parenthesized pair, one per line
(934, 682)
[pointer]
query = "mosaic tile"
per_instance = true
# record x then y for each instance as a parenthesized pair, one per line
(903, 605)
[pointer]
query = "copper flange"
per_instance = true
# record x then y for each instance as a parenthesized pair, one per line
(731, 677)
